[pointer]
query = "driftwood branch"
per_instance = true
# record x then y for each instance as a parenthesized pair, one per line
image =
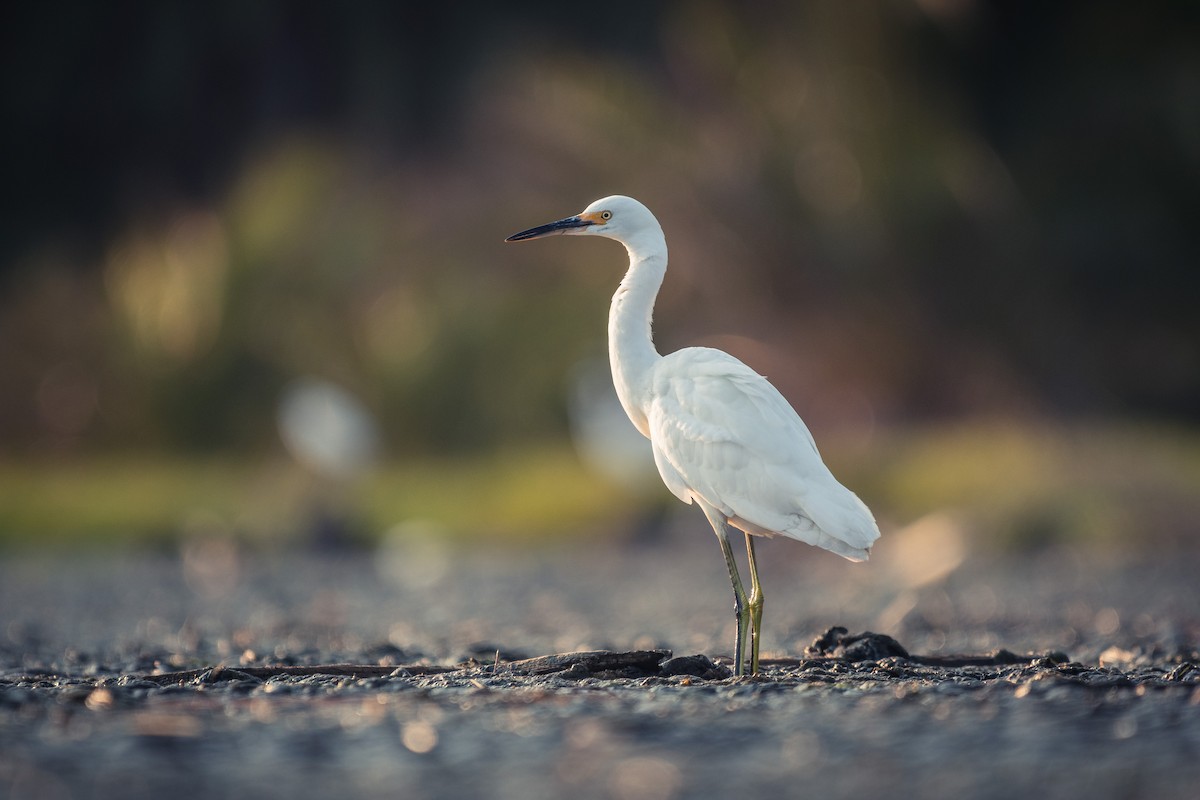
(572, 664)
(224, 673)
(588, 662)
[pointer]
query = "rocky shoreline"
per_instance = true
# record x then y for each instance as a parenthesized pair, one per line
(134, 685)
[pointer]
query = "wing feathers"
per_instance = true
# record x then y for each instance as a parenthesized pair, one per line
(721, 432)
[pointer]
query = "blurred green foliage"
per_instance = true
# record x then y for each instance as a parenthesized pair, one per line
(1035, 486)
(903, 213)
(1009, 487)
(512, 495)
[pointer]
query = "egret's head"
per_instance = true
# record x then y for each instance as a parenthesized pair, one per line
(617, 217)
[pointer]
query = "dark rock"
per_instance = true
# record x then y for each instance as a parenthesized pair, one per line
(699, 666)
(867, 646)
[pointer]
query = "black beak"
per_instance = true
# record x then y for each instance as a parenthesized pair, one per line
(562, 226)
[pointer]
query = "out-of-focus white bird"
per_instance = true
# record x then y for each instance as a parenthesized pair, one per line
(723, 437)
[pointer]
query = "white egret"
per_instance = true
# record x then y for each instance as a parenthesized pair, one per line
(723, 437)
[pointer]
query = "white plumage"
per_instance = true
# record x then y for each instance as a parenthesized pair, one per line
(723, 436)
(721, 432)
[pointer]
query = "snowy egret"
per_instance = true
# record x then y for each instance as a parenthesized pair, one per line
(723, 437)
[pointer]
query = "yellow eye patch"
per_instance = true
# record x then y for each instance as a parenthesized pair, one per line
(597, 217)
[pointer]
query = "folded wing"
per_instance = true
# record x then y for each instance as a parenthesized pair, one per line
(722, 432)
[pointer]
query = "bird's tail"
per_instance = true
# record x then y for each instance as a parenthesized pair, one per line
(838, 522)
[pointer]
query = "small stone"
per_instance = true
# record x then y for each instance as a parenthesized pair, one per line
(1178, 673)
(575, 671)
(1115, 656)
(100, 699)
(699, 666)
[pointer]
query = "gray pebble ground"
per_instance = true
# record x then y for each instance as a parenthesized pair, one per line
(83, 638)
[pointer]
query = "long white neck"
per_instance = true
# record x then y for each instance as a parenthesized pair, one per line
(631, 350)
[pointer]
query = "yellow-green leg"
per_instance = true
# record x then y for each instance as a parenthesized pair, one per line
(755, 604)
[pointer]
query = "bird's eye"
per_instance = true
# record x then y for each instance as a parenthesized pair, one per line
(605, 215)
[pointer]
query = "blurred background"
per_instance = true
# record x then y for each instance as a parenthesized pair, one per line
(253, 284)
